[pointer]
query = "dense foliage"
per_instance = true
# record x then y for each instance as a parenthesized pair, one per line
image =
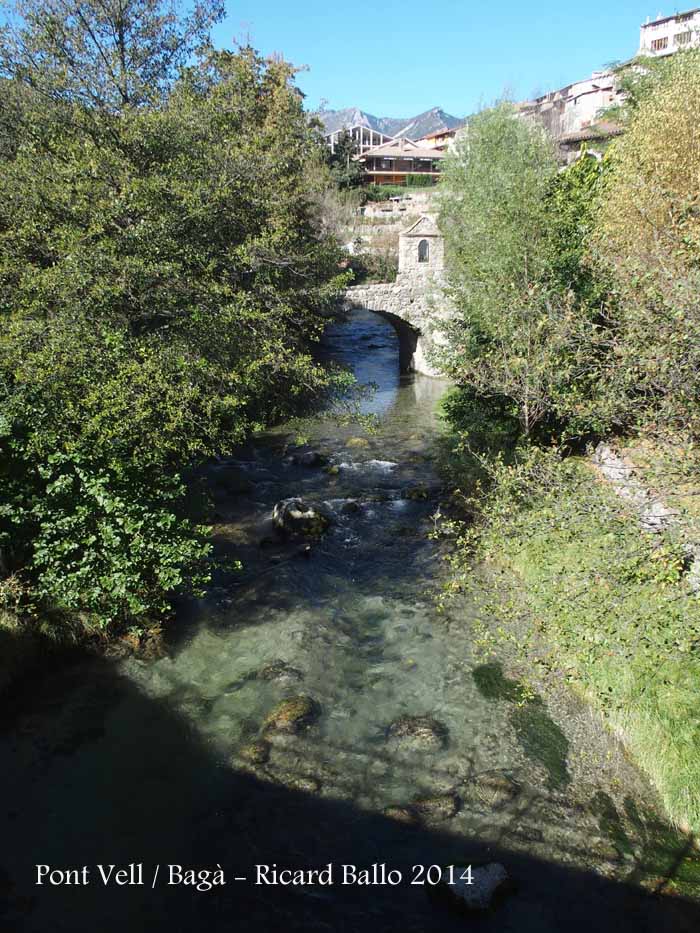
(577, 296)
(576, 290)
(161, 278)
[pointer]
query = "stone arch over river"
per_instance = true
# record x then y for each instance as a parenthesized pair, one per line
(414, 302)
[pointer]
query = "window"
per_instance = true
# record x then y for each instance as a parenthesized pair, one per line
(683, 38)
(658, 44)
(423, 251)
(684, 17)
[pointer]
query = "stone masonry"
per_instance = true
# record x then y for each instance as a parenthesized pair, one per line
(414, 302)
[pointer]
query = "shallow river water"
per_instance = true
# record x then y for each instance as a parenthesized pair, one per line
(167, 761)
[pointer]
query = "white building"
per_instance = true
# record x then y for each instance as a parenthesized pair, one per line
(668, 34)
(363, 137)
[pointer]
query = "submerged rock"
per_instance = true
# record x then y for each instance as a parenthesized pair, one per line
(401, 814)
(233, 480)
(274, 671)
(295, 516)
(292, 716)
(415, 493)
(279, 670)
(495, 790)
(350, 506)
(419, 731)
(436, 809)
(357, 442)
(257, 753)
(473, 887)
(302, 782)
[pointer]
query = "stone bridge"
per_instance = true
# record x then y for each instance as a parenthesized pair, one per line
(414, 303)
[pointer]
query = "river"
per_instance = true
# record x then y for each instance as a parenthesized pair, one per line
(417, 751)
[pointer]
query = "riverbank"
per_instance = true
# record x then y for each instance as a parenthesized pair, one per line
(608, 608)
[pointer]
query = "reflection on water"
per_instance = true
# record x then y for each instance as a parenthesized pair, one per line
(408, 716)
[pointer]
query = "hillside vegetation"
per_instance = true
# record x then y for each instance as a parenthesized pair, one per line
(578, 318)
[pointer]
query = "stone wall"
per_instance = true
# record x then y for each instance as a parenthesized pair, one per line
(414, 304)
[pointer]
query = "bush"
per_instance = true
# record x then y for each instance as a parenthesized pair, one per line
(420, 181)
(383, 192)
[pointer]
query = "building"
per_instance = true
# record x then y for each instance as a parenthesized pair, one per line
(668, 34)
(392, 162)
(363, 137)
(595, 139)
(440, 140)
(575, 107)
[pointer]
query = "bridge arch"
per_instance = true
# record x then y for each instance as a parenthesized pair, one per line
(408, 335)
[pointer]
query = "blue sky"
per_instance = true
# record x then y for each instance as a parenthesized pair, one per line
(399, 57)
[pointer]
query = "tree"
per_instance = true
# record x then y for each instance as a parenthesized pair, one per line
(109, 55)
(647, 239)
(162, 276)
(345, 169)
(502, 342)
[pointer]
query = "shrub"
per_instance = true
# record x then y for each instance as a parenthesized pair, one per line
(647, 239)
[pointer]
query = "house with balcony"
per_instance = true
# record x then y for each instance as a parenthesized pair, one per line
(394, 161)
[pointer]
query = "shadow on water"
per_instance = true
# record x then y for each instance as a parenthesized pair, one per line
(94, 772)
(541, 738)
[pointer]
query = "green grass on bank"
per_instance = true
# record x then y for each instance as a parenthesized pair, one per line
(615, 611)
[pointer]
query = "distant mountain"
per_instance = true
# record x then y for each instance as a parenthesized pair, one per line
(429, 122)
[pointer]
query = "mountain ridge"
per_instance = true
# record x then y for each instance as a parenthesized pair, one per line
(430, 121)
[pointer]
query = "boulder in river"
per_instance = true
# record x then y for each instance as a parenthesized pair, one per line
(418, 731)
(292, 716)
(310, 458)
(295, 516)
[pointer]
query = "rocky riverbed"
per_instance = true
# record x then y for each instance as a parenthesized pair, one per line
(316, 708)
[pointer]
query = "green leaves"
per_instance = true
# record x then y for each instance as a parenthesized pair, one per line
(162, 275)
(515, 329)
